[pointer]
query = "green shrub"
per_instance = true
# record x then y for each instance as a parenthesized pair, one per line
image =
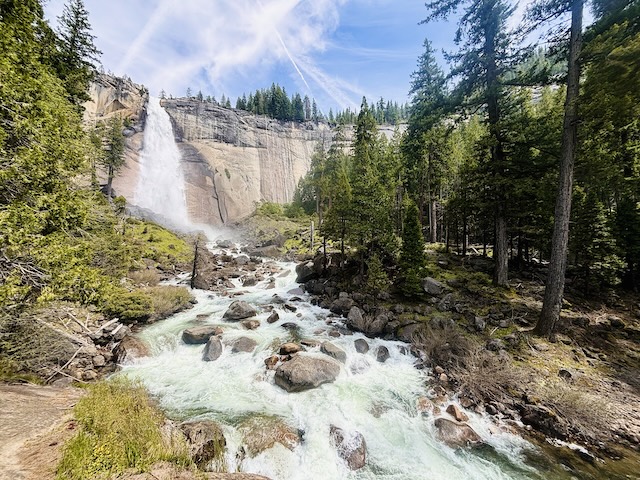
(119, 429)
(270, 209)
(129, 307)
(167, 299)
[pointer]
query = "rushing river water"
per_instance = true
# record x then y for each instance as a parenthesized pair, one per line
(379, 400)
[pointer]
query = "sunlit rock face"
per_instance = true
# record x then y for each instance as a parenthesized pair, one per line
(233, 159)
(114, 96)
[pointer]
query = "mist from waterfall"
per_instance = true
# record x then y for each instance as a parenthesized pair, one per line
(161, 186)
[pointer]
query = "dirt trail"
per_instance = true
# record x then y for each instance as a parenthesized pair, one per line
(34, 421)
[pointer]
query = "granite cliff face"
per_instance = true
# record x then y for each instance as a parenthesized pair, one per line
(111, 96)
(233, 159)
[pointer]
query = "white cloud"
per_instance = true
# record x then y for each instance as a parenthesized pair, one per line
(209, 44)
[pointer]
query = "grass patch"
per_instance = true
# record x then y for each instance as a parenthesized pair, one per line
(160, 245)
(119, 429)
(167, 299)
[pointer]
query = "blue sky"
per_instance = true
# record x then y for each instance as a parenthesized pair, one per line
(333, 50)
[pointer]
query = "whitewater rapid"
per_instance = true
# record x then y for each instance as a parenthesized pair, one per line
(379, 400)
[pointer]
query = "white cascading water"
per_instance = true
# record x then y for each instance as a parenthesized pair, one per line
(376, 399)
(161, 182)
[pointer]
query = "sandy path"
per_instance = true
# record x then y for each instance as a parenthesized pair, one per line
(34, 421)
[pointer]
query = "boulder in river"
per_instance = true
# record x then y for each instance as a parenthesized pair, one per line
(289, 348)
(382, 354)
(305, 272)
(456, 434)
(352, 448)
(243, 344)
(129, 348)
(361, 345)
(330, 349)
(261, 432)
(200, 335)
(239, 310)
(371, 326)
(304, 373)
(212, 350)
(273, 318)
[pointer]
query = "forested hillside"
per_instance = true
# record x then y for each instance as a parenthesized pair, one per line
(486, 158)
(61, 239)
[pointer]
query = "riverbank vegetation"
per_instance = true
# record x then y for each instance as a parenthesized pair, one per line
(61, 240)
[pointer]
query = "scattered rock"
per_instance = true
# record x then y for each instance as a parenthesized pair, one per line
(260, 433)
(273, 318)
(291, 308)
(456, 413)
(305, 272)
(251, 324)
(289, 349)
(243, 344)
(239, 310)
(130, 348)
(351, 447)
(200, 335)
(330, 349)
(361, 345)
(495, 345)
(250, 281)
(431, 286)
(304, 373)
(212, 350)
(310, 343)
(271, 362)
(456, 434)
(342, 305)
(382, 354)
(290, 326)
(206, 442)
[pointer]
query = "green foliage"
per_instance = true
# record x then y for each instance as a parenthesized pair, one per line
(412, 256)
(377, 280)
(129, 307)
(119, 429)
(270, 209)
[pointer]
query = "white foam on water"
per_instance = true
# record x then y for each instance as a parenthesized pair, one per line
(376, 399)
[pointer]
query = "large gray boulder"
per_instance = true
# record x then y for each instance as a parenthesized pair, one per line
(304, 373)
(361, 345)
(382, 354)
(244, 344)
(212, 350)
(456, 434)
(330, 349)
(305, 272)
(206, 442)
(342, 305)
(351, 448)
(432, 286)
(239, 310)
(200, 335)
(371, 326)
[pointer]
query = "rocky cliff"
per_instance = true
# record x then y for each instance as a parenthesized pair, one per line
(114, 96)
(233, 159)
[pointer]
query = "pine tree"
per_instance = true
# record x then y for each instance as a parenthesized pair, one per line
(485, 56)
(377, 280)
(77, 52)
(113, 158)
(412, 257)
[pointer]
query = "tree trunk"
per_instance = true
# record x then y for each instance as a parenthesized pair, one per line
(500, 252)
(554, 288)
(109, 181)
(433, 228)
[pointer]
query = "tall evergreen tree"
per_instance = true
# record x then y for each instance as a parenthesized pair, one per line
(485, 55)
(77, 52)
(412, 257)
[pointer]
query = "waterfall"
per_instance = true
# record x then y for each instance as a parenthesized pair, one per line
(161, 182)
